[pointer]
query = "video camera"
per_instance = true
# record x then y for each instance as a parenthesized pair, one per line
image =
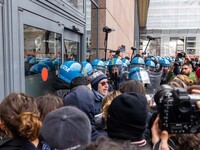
(178, 111)
(181, 55)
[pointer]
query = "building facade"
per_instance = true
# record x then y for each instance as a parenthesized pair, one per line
(38, 31)
(175, 25)
(119, 16)
(46, 33)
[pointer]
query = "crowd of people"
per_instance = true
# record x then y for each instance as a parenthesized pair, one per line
(116, 105)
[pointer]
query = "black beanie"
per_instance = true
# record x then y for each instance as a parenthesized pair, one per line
(95, 78)
(127, 119)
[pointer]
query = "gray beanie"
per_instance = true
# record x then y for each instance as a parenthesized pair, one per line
(66, 127)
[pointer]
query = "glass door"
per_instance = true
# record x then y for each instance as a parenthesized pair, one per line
(41, 51)
(72, 46)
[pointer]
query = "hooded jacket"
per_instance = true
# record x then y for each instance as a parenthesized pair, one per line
(83, 98)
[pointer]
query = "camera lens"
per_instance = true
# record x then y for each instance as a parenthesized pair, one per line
(180, 55)
(184, 106)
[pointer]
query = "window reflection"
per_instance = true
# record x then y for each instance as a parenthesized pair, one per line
(42, 48)
(71, 50)
(78, 4)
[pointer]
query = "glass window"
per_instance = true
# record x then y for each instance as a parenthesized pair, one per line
(42, 49)
(174, 11)
(71, 50)
(78, 4)
(174, 24)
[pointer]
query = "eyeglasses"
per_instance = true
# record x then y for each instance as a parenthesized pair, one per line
(104, 83)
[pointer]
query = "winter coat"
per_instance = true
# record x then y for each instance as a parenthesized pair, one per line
(83, 98)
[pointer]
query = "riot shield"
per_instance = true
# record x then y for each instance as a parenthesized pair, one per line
(155, 78)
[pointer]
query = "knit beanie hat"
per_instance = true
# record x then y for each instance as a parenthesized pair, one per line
(127, 117)
(95, 78)
(198, 72)
(66, 127)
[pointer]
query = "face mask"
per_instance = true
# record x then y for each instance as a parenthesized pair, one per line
(165, 71)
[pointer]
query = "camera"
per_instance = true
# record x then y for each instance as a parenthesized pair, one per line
(177, 63)
(177, 110)
(181, 55)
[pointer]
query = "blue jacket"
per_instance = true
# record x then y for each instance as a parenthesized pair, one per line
(83, 98)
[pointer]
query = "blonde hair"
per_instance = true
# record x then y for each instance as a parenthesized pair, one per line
(107, 101)
(20, 115)
(185, 79)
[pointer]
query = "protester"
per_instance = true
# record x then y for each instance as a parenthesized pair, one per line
(127, 119)
(106, 103)
(100, 85)
(197, 73)
(181, 81)
(20, 121)
(133, 86)
(65, 128)
(48, 103)
(186, 69)
(83, 98)
(83, 80)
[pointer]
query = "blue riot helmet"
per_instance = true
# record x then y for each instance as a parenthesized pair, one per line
(173, 60)
(164, 63)
(70, 70)
(26, 64)
(150, 65)
(126, 61)
(115, 67)
(106, 63)
(115, 62)
(147, 59)
(57, 61)
(27, 59)
(98, 65)
(34, 60)
(46, 59)
(139, 74)
(153, 58)
(87, 68)
(37, 68)
(49, 63)
(137, 62)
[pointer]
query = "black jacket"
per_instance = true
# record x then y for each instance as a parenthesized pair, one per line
(17, 144)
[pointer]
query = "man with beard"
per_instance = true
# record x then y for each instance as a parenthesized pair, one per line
(186, 69)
